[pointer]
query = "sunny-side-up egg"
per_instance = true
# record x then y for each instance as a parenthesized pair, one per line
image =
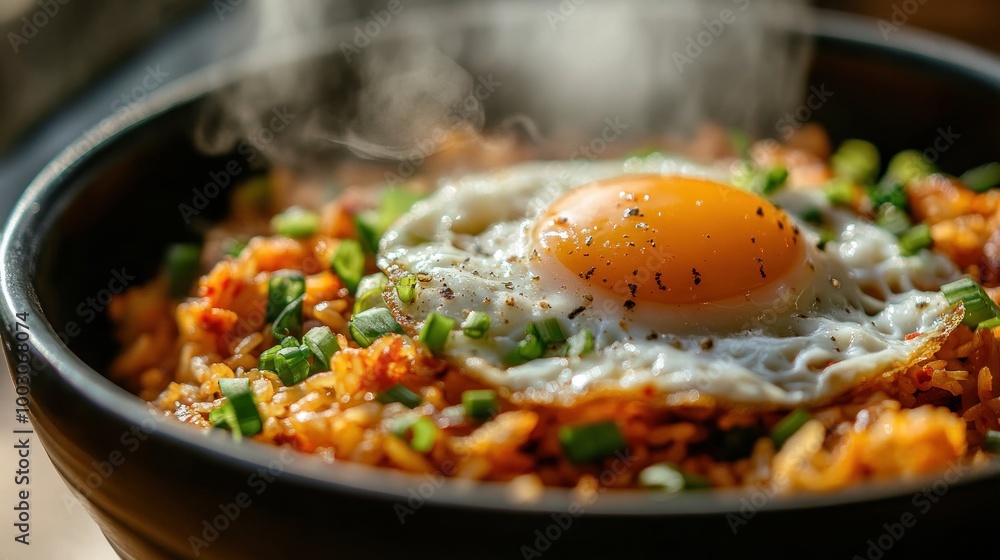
(692, 288)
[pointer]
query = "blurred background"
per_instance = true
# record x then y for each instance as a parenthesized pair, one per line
(54, 51)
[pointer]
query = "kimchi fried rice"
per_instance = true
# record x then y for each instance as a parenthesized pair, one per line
(394, 404)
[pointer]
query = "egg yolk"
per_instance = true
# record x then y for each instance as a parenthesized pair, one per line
(669, 239)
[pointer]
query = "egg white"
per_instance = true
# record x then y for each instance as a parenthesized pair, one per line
(857, 309)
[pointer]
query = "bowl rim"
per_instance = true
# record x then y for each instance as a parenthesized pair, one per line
(19, 245)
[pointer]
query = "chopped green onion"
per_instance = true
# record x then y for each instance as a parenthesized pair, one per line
(892, 219)
(856, 160)
(979, 307)
(669, 478)
(266, 360)
(989, 323)
(916, 238)
(283, 288)
(982, 178)
(424, 433)
(290, 342)
(232, 247)
(529, 348)
(580, 344)
(369, 325)
(774, 179)
(480, 404)
(907, 166)
(241, 415)
(289, 321)
(740, 142)
(372, 224)
(406, 288)
(183, 262)
(222, 415)
(738, 442)
(292, 365)
(551, 331)
(369, 293)
(231, 385)
(890, 193)
(437, 328)
(826, 236)
(992, 442)
(476, 324)
(591, 441)
(295, 222)
(322, 343)
(839, 191)
(788, 426)
(399, 393)
(348, 262)
(813, 216)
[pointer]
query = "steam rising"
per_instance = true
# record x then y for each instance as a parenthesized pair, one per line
(387, 83)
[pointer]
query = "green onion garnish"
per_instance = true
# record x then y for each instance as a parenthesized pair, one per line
(423, 434)
(290, 342)
(399, 393)
(774, 179)
(551, 331)
(982, 178)
(788, 426)
(839, 191)
(892, 219)
(591, 441)
(908, 165)
(856, 160)
(372, 224)
(579, 345)
(916, 238)
(369, 325)
(669, 478)
(183, 264)
(989, 323)
(295, 222)
(740, 142)
(348, 262)
(888, 193)
(322, 343)
(266, 360)
(979, 307)
(283, 288)
(826, 236)
(992, 442)
(476, 324)
(241, 415)
(813, 216)
(529, 348)
(289, 321)
(233, 247)
(406, 288)
(480, 404)
(369, 293)
(437, 328)
(292, 365)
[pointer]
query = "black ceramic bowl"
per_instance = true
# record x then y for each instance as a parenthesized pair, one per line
(101, 214)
